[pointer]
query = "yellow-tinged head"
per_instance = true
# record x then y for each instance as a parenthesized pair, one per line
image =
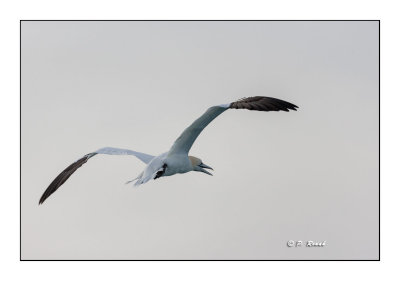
(199, 166)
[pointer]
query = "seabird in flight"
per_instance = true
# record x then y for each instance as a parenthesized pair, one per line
(176, 160)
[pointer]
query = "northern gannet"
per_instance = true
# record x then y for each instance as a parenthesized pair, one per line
(176, 160)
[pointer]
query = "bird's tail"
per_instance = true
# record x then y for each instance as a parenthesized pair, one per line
(138, 178)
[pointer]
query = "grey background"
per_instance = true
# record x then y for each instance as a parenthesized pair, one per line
(305, 175)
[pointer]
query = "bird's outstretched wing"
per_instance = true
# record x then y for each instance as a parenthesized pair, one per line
(64, 175)
(187, 138)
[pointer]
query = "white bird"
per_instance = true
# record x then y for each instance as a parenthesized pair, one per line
(176, 160)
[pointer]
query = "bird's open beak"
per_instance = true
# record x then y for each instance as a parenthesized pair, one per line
(203, 167)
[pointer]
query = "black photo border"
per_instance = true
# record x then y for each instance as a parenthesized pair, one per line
(379, 141)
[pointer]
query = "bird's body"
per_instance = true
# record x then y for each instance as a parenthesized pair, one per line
(177, 164)
(165, 165)
(177, 159)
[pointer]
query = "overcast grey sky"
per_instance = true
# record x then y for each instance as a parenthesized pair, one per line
(305, 175)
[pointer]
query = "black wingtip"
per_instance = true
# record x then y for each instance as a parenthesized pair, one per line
(46, 194)
(63, 176)
(42, 199)
(260, 103)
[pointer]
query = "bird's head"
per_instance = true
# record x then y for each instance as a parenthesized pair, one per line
(199, 166)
